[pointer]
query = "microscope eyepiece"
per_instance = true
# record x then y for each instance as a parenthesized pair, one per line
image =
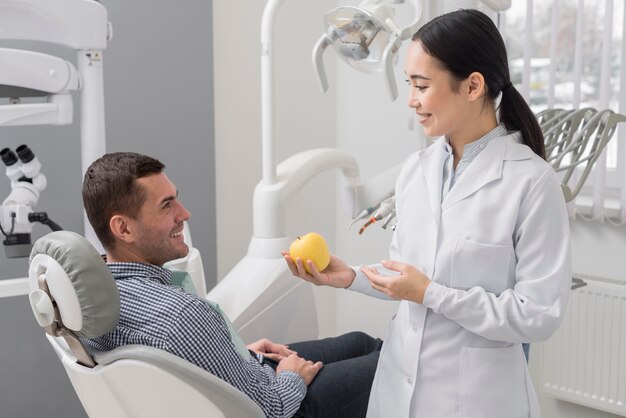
(8, 157)
(25, 154)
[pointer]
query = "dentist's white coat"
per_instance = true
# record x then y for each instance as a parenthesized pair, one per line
(497, 249)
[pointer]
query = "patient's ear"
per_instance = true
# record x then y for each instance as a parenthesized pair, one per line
(119, 226)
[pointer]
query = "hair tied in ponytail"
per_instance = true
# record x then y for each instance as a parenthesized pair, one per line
(506, 86)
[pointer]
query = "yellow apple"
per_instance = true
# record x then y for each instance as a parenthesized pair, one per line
(311, 246)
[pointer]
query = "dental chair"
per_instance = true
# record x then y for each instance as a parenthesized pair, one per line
(576, 141)
(74, 296)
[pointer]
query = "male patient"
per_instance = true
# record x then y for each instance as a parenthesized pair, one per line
(135, 212)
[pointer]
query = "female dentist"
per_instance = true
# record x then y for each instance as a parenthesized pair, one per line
(482, 255)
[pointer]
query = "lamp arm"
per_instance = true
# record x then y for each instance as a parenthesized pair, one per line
(318, 61)
(408, 31)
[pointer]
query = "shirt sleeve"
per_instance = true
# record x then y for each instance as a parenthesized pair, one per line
(532, 309)
(201, 337)
(362, 285)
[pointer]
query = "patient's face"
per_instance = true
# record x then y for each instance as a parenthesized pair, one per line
(158, 229)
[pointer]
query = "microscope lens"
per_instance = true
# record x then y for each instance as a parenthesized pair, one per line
(25, 154)
(8, 157)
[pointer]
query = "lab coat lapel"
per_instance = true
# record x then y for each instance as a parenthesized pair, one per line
(432, 164)
(486, 167)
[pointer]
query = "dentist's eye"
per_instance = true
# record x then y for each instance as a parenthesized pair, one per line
(421, 88)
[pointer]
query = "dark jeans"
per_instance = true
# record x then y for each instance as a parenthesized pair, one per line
(342, 387)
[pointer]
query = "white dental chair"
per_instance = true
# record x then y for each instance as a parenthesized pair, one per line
(74, 295)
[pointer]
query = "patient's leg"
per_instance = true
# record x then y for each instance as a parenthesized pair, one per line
(341, 389)
(329, 350)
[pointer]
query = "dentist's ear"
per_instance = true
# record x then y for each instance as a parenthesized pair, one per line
(120, 228)
(474, 86)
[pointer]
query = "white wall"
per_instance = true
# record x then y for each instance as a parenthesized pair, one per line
(304, 119)
(356, 116)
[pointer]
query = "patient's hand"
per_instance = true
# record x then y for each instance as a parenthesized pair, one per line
(271, 350)
(305, 368)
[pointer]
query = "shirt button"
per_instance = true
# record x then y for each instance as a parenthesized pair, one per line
(482, 146)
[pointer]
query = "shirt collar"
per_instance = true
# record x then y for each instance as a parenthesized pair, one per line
(473, 148)
(121, 271)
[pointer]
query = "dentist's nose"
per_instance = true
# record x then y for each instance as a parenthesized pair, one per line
(412, 100)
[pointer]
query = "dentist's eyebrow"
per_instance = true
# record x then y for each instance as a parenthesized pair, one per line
(416, 76)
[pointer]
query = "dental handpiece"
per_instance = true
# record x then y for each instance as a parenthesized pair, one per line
(386, 208)
(391, 217)
(364, 214)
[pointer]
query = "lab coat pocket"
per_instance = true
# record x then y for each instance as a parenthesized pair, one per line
(493, 383)
(478, 264)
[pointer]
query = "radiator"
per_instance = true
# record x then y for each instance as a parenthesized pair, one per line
(585, 360)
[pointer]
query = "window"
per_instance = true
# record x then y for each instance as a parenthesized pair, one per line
(553, 71)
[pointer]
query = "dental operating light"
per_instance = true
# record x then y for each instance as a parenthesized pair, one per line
(366, 38)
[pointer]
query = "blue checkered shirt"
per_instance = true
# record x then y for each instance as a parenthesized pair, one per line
(156, 313)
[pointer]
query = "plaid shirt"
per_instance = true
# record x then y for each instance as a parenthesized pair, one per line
(156, 313)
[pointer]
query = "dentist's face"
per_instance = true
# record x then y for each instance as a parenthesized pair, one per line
(158, 228)
(440, 109)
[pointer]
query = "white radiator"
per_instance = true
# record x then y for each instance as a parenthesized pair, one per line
(585, 361)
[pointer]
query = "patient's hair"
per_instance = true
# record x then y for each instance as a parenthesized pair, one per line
(109, 188)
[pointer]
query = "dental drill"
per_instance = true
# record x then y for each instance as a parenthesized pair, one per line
(16, 211)
(386, 210)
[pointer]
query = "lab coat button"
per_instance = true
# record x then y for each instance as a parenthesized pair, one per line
(409, 380)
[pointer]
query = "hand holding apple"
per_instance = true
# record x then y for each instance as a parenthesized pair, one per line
(307, 257)
(311, 246)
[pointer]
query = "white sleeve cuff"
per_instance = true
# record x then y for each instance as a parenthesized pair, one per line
(434, 296)
(360, 283)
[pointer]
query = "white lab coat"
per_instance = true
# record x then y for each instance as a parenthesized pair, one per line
(497, 249)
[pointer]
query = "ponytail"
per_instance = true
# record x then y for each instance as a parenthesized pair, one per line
(516, 115)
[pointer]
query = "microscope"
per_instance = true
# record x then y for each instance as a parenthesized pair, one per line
(16, 212)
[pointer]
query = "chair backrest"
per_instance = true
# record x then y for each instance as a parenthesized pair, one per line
(583, 147)
(73, 296)
(576, 138)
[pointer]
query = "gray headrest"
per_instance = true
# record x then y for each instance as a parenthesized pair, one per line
(79, 281)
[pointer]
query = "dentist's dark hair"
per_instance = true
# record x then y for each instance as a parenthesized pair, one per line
(467, 41)
(110, 188)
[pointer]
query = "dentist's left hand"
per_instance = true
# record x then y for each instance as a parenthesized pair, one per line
(270, 350)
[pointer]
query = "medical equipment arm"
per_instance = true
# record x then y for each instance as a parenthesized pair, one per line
(269, 204)
(81, 25)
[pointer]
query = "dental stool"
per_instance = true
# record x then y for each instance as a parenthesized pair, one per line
(73, 296)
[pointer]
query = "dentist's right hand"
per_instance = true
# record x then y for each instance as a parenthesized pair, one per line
(337, 274)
